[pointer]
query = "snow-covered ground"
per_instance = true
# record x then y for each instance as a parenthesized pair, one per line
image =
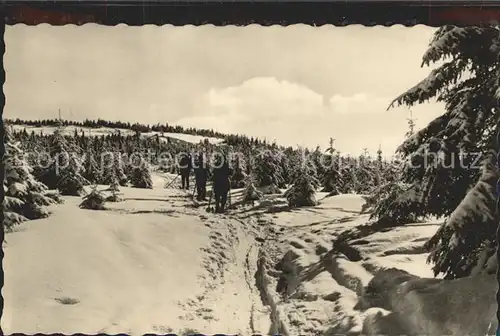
(158, 262)
(194, 139)
(70, 130)
(317, 286)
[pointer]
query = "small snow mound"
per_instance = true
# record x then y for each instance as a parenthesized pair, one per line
(346, 202)
(158, 180)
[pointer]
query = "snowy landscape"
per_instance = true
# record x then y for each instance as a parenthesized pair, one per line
(103, 237)
(224, 278)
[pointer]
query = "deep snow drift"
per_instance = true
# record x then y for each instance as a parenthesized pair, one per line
(158, 262)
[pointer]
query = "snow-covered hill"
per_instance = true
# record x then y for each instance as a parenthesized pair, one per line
(70, 130)
(158, 262)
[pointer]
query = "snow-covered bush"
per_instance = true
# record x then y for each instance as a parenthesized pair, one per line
(140, 175)
(114, 188)
(250, 193)
(303, 190)
(94, 200)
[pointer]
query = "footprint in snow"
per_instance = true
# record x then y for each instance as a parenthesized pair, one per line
(67, 300)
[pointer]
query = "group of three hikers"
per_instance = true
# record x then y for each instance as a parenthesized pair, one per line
(221, 173)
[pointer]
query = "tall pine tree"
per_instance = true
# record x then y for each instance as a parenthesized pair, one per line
(444, 179)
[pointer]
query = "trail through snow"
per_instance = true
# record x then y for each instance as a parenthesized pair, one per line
(157, 262)
(136, 268)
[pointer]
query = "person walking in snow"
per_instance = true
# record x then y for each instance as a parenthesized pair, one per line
(221, 183)
(185, 166)
(201, 176)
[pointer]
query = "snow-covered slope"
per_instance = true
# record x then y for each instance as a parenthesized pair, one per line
(166, 136)
(158, 262)
(185, 137)
(151, 263)
(316, 287)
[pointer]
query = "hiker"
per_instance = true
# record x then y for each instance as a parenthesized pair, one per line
(221, 183)
(185, 166)
(201, 176)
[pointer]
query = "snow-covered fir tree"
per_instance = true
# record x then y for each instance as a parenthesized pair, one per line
(267, 170)
(364, 173)
(379, 168)
(65, 170)
(303, 158)
(140, 174)
(94, 200)
(303, 190)
(92, 170)
(449, 184)
(392, 201)
(379, 155)
(25, 197)
(285, 165)
(114, 188)
(317, 158)
(347, 169)
(470, 228)
(107, 168)
(332, 181)
(71, 181)
(238, 165)
(112, 169)
(248, 157)
(394, 204)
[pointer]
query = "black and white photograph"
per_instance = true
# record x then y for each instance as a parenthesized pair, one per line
(251, 180)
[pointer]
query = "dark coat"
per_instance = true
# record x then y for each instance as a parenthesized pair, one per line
(185, 163)
(221, 178)
(201, 170)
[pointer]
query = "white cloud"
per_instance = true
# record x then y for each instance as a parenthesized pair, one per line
(290, 83)
(261, 101)
(296, 115)
(262, 96)
(359, 103)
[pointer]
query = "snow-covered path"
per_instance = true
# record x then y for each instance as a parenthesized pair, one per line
(148, 265)
(159, 263)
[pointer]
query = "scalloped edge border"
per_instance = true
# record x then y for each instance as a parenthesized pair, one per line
(498, 230)
(460, 13)
(242, 13)
(2, 152)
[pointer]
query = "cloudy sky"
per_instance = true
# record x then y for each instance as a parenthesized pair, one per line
(298, 85)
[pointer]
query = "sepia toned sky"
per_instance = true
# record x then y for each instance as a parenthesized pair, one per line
(298, 85)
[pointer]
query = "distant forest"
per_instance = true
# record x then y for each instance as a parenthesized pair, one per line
(230, 139)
